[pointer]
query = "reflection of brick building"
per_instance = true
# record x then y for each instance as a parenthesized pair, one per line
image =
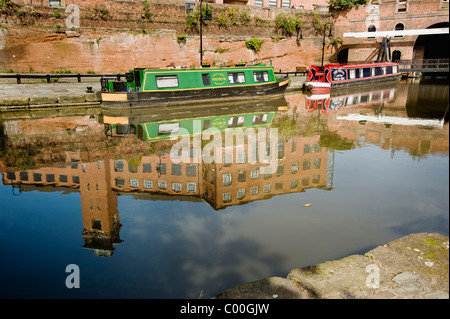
(302, 164)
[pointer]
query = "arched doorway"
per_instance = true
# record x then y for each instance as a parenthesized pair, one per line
(342, 56)
(396, 56)
(434, 46)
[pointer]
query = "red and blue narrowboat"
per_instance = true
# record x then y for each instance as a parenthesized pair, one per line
(332, 76)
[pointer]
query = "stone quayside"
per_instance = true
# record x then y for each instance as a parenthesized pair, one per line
(412, 267)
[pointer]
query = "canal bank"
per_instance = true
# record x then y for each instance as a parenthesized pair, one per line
(411, 267)
(64, 94)
(43, 95)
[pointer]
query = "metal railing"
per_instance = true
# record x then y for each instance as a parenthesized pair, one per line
(49, 77)
(430, 65)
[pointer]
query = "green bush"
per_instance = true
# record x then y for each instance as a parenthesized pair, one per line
(254, 44)
(5, 5)
(288, 23)
(346, 4)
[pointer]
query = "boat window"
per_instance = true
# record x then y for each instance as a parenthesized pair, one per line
(206, 80)
(262, 76)
(167, 81)
(361, 73)
(351, 73)
(237, 77)
(394, 69)
(383, 70)
(372, 71)
(168, 128)
(260, 118)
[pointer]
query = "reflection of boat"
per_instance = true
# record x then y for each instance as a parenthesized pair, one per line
(328, 103)
(330, 76)
(162, 87)
(151, 126)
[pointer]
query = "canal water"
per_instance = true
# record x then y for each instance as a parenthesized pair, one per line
(140, 215)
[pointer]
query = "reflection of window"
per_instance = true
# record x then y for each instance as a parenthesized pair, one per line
(120, 182)
(306, 164)
(226, 197)
(191, 187)
(261, 76)
(254, 190)
(227, 179)
(176, 187)
(148, 183)
(191, 170)
(260, 118)
(254, 174)
(167, 81)
(317, 163)
(176, 169)
(168, 128)
(237, 77)
(162, 184)
(240, 193)
(294, 168)
(134, 182)
(242, 176)
(236, 121)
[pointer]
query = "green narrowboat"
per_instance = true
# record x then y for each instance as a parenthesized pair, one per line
(161, 87)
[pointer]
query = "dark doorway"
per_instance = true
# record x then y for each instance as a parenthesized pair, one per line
(343, 56)
(435, 46)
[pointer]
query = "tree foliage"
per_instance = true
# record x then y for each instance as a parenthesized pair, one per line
(346, 4)
(5, 5)
(288, 23)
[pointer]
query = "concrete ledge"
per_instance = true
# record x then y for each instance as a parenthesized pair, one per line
(412, 267)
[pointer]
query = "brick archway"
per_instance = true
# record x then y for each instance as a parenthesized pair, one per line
(432, 46)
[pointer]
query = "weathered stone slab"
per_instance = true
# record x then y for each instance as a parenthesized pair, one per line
(72, 99)
(14, 101)
(39, 100)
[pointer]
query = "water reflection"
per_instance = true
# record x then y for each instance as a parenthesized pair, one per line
(109, 154)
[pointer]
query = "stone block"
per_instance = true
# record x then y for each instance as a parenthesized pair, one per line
(71, 99)
(14, 101)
